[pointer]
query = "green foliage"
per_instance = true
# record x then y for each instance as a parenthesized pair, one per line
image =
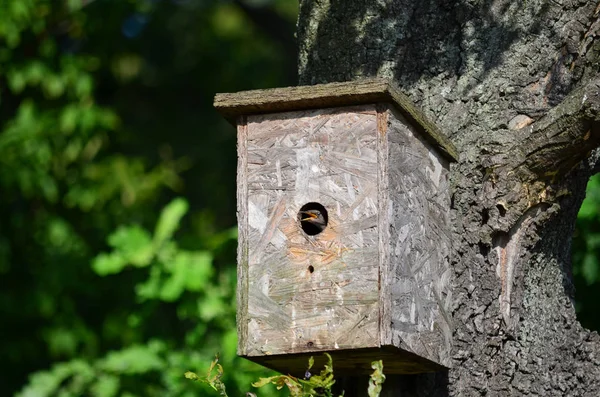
(105, 116)
(315, 386)
(586, 254)
(101, 378)
(63, 188)
(377, 379)
(173, 270)
(213, 377)
(172, 274)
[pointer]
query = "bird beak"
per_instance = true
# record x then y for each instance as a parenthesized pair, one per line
(309, 216)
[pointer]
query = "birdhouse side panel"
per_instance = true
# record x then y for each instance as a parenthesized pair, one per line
(419, 270)
(311, 292)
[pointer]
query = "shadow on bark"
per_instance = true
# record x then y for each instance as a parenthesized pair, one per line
(363, 38)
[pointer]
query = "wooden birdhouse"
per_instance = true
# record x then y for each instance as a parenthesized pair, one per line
(371, 281)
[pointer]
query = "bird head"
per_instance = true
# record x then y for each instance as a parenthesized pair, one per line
(314, 217)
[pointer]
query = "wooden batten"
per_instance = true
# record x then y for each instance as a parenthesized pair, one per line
(374, 284)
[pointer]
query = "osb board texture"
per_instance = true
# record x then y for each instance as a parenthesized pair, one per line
(419, 246)
(356, 92)
(329, 157)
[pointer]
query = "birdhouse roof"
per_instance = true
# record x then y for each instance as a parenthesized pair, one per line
(358, 92)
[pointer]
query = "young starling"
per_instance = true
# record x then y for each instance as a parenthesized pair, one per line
(312, 221)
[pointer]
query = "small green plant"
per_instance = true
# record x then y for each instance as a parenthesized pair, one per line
(314, 386)
(377, 379)
(213, 377)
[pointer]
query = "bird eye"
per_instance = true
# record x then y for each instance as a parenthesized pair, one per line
(313, 218)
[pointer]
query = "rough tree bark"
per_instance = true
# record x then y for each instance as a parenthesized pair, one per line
(516, 86)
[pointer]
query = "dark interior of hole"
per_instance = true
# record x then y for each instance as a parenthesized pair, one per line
(311, 228)
(501, 209)
(484, 249)
(485, 216)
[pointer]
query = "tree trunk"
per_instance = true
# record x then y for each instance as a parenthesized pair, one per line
(516, 86)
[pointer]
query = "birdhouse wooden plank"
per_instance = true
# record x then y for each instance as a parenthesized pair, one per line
(344, 234)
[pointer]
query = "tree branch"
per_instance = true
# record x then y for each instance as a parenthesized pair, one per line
(565, 136)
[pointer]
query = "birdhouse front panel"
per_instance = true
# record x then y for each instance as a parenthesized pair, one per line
(311, 232)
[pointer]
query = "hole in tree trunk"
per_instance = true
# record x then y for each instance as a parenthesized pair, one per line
(484, 249)
(501, 209)
(485, 216)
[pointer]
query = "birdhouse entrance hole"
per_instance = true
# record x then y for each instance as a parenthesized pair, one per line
(313, 218)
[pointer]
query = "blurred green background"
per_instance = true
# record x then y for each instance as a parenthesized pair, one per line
(117, 191)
